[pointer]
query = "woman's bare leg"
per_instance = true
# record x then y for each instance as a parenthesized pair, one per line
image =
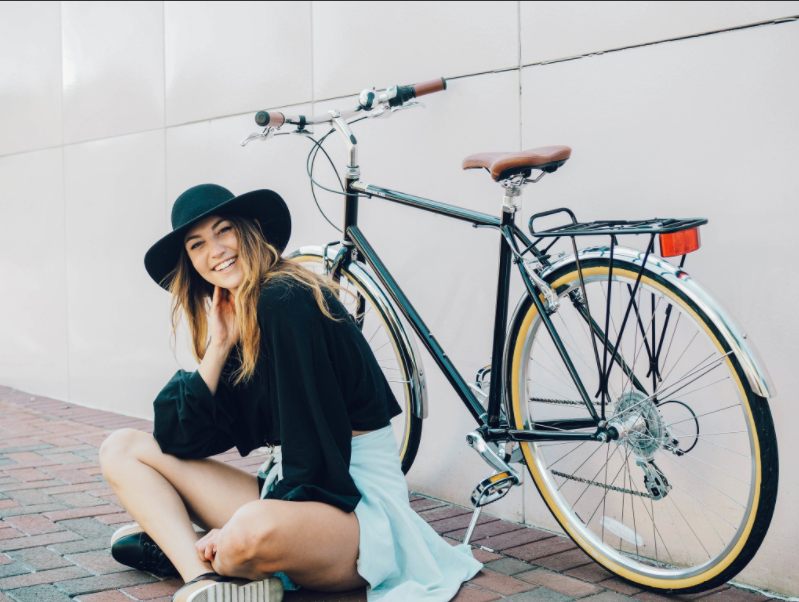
(164, 494)
(315, 544)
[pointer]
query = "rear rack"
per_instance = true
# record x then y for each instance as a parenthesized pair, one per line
(614, 227)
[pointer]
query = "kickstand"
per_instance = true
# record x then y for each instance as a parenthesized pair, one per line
(472, 524)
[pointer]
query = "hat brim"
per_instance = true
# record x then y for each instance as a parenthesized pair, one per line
(266, 206)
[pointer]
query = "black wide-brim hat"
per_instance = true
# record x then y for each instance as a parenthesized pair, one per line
(204, 200)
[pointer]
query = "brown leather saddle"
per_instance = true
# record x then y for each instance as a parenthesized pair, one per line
(506, 165)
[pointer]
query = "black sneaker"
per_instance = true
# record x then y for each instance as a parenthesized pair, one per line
(131, 546)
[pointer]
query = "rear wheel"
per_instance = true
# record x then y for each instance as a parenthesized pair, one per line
(682, 500)
(394, 352)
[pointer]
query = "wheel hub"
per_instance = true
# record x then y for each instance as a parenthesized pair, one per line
(639, 425)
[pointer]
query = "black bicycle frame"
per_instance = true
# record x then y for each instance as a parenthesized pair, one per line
(489, 421)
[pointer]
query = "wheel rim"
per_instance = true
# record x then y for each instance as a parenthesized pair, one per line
(672, 550)
(383, 346)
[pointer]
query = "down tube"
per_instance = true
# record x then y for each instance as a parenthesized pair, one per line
(421, 329)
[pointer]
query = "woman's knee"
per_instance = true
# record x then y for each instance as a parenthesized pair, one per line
(250, 543)
(121, 445)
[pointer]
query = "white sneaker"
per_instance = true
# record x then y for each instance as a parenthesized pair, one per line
(211, 587)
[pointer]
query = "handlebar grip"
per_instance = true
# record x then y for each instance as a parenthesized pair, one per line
(270, 118)
(434, 85)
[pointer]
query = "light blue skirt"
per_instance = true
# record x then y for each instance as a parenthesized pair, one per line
(400, 555)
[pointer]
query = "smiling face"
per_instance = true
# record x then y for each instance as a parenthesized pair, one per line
(213, 248)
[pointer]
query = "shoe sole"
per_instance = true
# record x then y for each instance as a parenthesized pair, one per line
(136, 528)
(265, 590)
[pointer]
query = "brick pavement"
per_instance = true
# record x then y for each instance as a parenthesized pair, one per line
(57, 514)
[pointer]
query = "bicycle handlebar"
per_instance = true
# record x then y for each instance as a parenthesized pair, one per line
(395, 96)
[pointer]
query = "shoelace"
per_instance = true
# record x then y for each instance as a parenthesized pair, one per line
(154, 560)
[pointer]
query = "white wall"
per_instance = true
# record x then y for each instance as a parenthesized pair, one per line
(108, 111)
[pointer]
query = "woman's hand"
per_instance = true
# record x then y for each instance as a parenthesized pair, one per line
(224, 322)
(206, 546)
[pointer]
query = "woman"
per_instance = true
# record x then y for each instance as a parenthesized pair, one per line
(281, 362)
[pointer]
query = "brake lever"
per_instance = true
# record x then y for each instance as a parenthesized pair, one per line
(408, 105)
(269, 132)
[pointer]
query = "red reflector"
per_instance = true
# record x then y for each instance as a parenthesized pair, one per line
(679, 243)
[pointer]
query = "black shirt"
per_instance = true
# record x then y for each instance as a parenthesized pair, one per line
(316, 381)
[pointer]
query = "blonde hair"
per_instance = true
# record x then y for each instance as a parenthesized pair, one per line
(261, 262)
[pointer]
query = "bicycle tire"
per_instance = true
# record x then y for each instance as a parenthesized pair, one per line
(757, 415)
(407, 360)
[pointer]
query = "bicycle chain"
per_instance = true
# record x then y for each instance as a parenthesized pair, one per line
(561, 402)
(602, 485)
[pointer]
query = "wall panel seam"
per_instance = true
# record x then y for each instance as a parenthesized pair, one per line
(781, 21)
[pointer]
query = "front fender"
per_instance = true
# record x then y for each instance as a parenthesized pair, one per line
(739, 342)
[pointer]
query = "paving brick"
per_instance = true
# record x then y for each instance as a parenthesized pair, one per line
(154, 590)
(29, 459)
(33, 524)
(82, 545)
(590, 572)
(653, 597)
(513, 539)
(40, 559)
(99, 563)
(442, 512)
(13, 569)
(59, 440)
(564, 561)
(41, 577)
(4, 559)
(568, 586)
(539, 594)
(39, 593)
(28, 497)
(484, 555)
(115, 519)
(499, 583)
(487, 531)
(90, 585)
(101, 492)
(95, 485)
(113, 595)
(9, 533)
(508, 566)
(468, 593)
(608, 596)
(22, 510)
(37, 540)
(88, 527)
(422, 504)
(734, 594)
(8, 504)
(82, 512)
(72, 477)
(622, 587)
(65, 457)
(80, 500)
(19, 485)
(28, 474)
(539, 549)
(458, 522)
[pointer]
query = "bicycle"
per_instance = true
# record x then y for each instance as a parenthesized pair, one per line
(610, 349)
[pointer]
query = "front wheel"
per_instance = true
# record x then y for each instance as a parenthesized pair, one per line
(682, 500)
(391, 343)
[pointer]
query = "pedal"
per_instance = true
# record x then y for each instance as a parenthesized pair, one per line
(488, 491)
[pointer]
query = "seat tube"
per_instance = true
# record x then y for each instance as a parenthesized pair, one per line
(500, 322)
